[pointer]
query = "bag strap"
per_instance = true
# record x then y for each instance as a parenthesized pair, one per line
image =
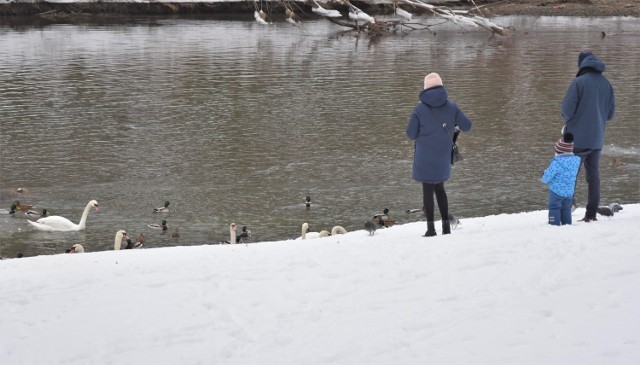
(444, 125)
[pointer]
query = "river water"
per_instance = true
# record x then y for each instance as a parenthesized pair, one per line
(231, 121)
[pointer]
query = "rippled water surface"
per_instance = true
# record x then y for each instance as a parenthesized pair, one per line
(231, 121)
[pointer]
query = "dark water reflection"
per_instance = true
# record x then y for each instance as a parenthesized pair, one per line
(235, 122)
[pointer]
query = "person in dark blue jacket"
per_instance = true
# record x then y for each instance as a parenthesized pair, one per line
(431, 125)
(587, 106)
(561, 178)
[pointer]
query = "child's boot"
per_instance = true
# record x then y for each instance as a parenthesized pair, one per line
(446, 226)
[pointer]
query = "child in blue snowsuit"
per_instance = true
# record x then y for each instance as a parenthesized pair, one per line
(561, 178)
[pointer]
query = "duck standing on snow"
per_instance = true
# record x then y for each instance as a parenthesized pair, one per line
(164, 209)
(62, 224)
(383, 220)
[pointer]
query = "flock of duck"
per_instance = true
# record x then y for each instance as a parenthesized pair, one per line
(54, 223)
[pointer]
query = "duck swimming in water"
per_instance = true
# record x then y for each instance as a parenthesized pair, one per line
(163, 226)
(10, 211)
(34, 214)
(164, 209)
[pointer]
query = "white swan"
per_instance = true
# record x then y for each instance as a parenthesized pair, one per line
(77, 248)
(57, 223)
(117, 243)
(305, 234)
(338, 230)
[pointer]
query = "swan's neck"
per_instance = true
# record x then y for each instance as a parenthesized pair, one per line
(118, 242)
(232, 234)
(304, 233)
(83, 219)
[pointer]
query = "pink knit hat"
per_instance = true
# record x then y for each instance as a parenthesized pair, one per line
(564, 144)
(431, 80)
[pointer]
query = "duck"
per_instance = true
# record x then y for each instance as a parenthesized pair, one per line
(131, 245)
(139, 240)
(163, 226)
(22, 206)
(12, 210)
(164, 209)
(609, 210)
(117, 242)
(77, 248)
(370, 227)
(383, 220)
(246, 233)
(175, 233)
(34, 214)
(307, 202)
(62, 224)
(617, 163)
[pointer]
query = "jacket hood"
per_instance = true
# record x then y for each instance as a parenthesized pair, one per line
(589, 60)
(434, 96)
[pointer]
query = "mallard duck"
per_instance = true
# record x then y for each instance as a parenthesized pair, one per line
(175, 233)
(164, 209)
(307, 202)
(10, 211)
(383, 219)
(34, 214)
(57, 223)
(163, 226)
(246, 233)
(131, 245)
(22, 206)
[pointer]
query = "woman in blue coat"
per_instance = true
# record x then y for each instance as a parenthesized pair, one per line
(432, 125)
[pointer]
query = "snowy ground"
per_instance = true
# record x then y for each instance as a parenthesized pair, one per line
(506, 289)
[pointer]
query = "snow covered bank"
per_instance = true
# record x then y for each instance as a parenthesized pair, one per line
(501, 289)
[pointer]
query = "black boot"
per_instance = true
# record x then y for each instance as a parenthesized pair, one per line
(446, 226)
(431, 229)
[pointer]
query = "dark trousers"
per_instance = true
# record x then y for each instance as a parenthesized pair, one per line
(590, 159)
(441, 196)
(559, 209)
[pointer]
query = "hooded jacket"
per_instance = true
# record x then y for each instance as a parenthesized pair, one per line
(432, 153)
(589, 103)
(561, 174)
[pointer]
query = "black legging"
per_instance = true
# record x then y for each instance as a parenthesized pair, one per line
(441, 197)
